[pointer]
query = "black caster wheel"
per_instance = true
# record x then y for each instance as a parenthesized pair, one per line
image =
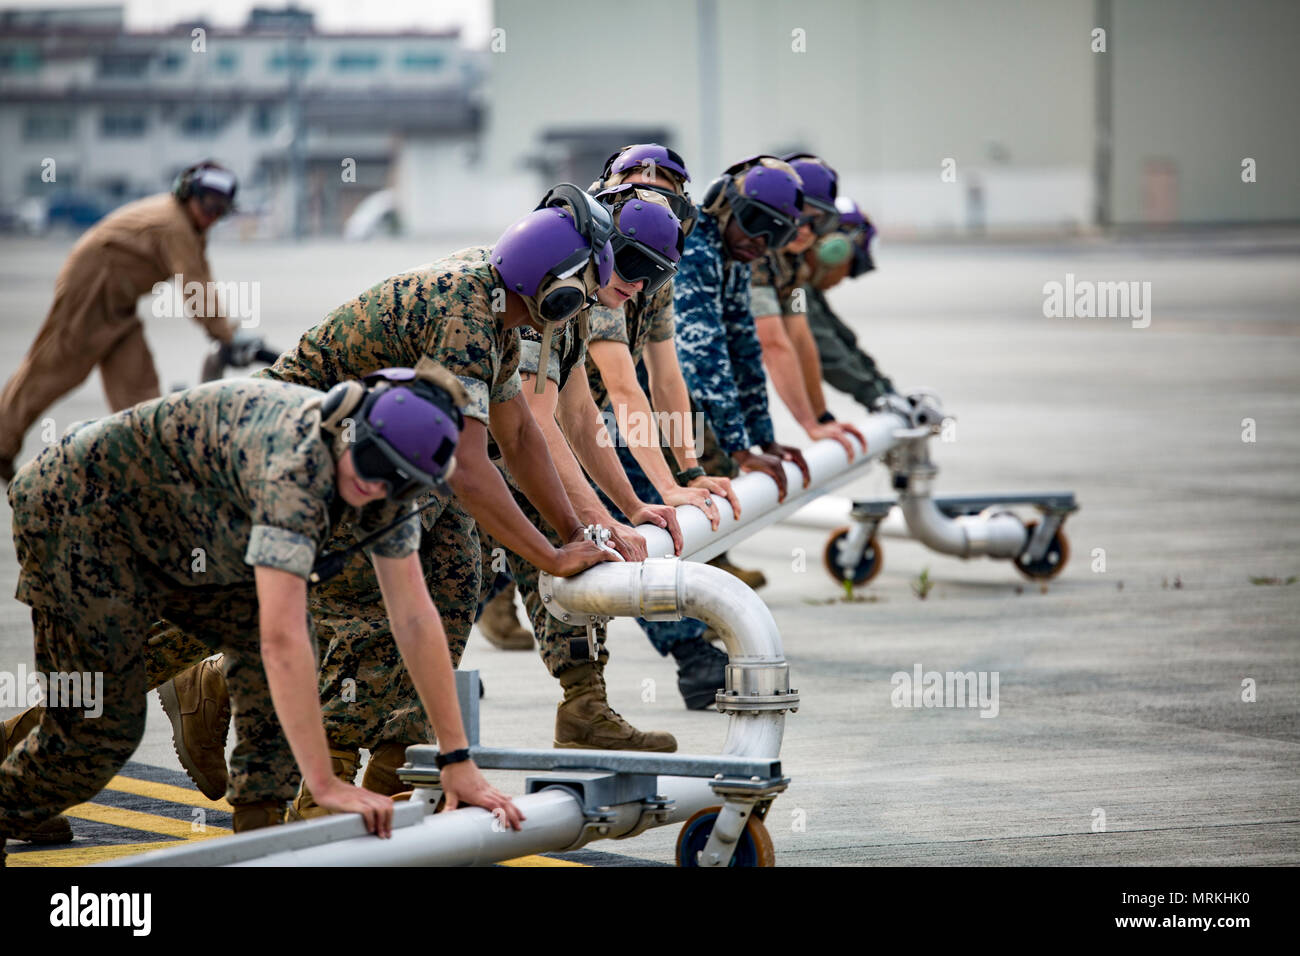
(869, 564)
(1053, 560)
(754, 848)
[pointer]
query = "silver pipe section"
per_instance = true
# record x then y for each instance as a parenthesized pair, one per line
(994, 532)
(755, 701)
(828, 466)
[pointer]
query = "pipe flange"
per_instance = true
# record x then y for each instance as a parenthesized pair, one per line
(660, 585)
(756, 703)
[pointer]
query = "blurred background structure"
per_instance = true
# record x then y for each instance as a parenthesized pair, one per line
(943, 117)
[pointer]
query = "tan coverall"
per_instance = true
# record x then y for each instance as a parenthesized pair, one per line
(93, 318)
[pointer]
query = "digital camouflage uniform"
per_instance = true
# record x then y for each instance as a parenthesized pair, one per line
(776, 279)
(107, 528)
(718, 347)
(442, 311)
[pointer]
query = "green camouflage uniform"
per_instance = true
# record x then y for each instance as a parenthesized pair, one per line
(162, 512)
(568, 351)
(443, 311)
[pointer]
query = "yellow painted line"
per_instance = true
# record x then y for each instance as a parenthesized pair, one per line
(74, 855)
(149, 822)
(167, 792)
(537, 861)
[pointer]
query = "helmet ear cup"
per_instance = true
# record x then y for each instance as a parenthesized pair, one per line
(713, 196)
(183, 187)
(339, 402)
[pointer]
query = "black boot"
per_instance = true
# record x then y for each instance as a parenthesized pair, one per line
(701, 672)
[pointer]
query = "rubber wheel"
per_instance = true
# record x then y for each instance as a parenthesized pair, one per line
(1053, 560)
(868, 566)
(754, 848)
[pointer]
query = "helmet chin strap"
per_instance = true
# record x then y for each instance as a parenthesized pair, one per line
(544, 357)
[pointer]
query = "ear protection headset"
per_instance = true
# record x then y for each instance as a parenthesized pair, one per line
(190, 182)
(571, 287)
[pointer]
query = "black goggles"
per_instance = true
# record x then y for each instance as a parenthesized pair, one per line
(636, 263)
(759, 219)
(824, 218)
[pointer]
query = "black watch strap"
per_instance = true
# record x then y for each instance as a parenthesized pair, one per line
(456, 756)
(688, 475)
(825, 417)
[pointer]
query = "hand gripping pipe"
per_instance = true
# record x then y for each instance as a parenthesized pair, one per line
(755, 700)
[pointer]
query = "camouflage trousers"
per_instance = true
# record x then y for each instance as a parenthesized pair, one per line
(552, 634)
(101, 630)
(367, 696)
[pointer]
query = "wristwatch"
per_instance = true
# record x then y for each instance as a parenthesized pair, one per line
(688, 475)
(825, 418)
(456, 756)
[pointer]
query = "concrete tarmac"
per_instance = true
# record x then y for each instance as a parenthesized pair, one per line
(1147, 698)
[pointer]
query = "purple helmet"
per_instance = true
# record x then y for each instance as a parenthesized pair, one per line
(765, 198)
(820, 186)
(855, 224)
(407, 428)
(543, 243)
(648, 240)
(645, 154)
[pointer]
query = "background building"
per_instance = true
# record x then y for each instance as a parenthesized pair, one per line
(307, 119)
(943, 116)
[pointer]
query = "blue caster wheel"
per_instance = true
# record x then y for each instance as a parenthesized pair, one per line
(754, 848)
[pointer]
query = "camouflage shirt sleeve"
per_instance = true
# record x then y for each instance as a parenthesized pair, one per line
(467, 340)
(702, 346)
(566, 353)
(762, 291)
(607, 325)
(291, 481)
(661, 315)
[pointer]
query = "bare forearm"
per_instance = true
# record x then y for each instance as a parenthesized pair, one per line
(526, 455)
(782, 366)
(810, 363)
(487, 497)
(636, 422)
(422, 642)
(292, 677)
(594, 448)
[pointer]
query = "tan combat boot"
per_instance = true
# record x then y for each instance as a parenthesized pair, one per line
(345, 764)
(198, 705)
(500, 624)
(12, 731)
(585, 720)
(381, 771)
(754, 579)
(258, 814)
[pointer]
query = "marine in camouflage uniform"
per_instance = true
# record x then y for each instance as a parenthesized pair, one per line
(442, 311)
(108, 527)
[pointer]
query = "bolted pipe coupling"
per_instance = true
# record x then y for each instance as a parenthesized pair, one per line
(757, 686)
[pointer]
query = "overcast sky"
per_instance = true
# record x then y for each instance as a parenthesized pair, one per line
(472, 16)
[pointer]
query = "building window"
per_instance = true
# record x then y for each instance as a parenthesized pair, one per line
(356, 61)
(50, 125)
(203, 121)
(123, 64)
(22, 59)
(227, 61)
(123, 124)
(265, 118)
(280, 61)
(169, 62)
(428, 62)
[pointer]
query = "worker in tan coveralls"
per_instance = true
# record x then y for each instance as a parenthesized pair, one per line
(93, 319)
